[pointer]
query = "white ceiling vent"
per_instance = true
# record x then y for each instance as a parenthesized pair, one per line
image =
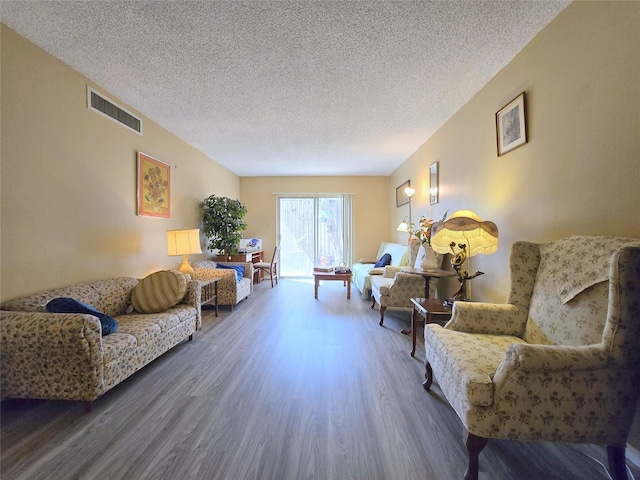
(112, 110)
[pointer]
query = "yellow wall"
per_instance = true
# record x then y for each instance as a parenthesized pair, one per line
(68, 174)
(579, 173)
(370, 208)
(68, 180)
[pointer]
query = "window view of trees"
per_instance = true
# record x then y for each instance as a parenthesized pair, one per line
(311, 233)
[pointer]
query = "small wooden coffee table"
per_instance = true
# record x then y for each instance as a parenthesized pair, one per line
(344, 277)
(431, 310)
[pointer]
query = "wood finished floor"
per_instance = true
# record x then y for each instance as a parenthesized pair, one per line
(284, 387)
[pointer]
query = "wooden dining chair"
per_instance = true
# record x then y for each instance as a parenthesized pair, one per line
(269, 268)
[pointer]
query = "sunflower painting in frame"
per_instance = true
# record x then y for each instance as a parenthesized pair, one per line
(154, 187)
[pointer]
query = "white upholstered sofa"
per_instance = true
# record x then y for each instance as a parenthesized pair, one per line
(363, 269)
(560, 361)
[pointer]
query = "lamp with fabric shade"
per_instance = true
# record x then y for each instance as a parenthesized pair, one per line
(472, 236)
(185, 243)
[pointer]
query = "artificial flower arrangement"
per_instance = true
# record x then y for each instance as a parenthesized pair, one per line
(424, 232)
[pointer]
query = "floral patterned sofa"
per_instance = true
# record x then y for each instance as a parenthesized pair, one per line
(559, 361)
(230, 290)
(65, 356)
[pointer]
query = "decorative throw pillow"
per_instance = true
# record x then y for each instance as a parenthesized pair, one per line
(367, 260)
(159, 291)
(238, 268)
(70, 305)
(384, 261)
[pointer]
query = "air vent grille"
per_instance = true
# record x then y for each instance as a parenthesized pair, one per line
(109, 109)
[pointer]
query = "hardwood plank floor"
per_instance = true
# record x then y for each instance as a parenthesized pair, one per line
(284, 387)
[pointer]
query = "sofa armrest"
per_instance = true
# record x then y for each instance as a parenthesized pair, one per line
(390, 271)
(487, 318)
(248, 268)
(248, 272)
(51, 355)
(371, 261)
(192, 297)
(550, 358)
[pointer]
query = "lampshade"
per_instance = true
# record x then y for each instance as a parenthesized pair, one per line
(465, 226)
(183, 242)
(404, 226)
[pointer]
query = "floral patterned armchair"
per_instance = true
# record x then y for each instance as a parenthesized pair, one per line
(559, 361)
(395, 289)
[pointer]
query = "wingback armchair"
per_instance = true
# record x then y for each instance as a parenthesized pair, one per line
(559, 361)
(395, 289)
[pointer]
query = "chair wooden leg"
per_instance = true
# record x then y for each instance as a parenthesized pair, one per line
(475, 445)
(382, 309)
(271, 275)
(617, 464)
(428, 374)
(373, 303)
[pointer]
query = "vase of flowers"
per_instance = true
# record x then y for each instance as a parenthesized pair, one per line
(424, 230)
(426, 258)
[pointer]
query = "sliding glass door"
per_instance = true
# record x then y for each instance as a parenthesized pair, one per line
(313, 230)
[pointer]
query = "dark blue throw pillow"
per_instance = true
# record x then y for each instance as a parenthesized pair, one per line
(69, 305)
(238, 268)
(384, 261)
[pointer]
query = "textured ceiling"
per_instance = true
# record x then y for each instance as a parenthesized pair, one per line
(289, 88)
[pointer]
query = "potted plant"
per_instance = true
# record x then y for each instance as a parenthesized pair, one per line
(223, 224)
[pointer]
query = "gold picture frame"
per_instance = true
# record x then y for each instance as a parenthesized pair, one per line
(511, 125)
(154, 187)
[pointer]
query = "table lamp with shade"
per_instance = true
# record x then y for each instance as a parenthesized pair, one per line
(185, 243)
(464, 234)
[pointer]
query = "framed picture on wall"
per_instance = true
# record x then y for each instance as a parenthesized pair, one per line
(154, 187)
(401, 196)
(511, 125)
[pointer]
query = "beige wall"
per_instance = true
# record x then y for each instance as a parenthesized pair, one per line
(370, 208)
(579, 173)
(68, 175)
(68, 180)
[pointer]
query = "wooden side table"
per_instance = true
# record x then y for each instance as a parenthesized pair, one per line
(428, 275)
(209, 292)
(429, 311)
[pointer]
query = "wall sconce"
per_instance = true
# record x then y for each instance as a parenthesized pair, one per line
(185, 243)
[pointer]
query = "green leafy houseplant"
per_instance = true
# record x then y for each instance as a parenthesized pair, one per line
(222, 223)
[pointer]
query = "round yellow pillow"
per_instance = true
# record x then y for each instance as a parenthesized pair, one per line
(159, 291)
